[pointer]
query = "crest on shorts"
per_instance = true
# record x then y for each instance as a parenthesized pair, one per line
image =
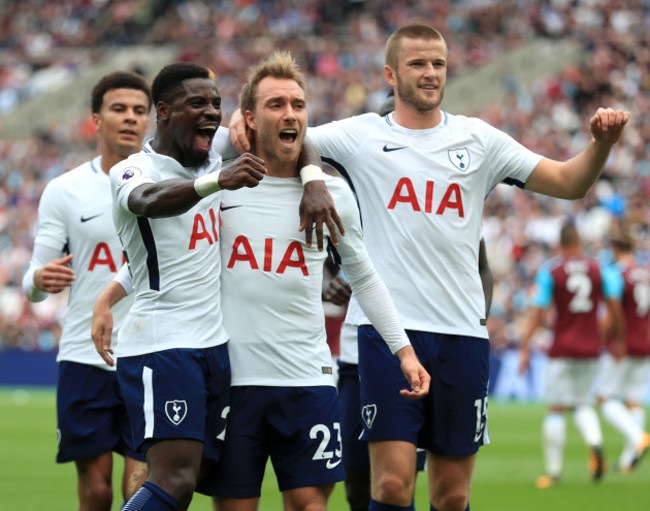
(368, 414)
(459, 157)
(176, 410)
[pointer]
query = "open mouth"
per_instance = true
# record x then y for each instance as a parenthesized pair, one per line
(288, 137)
(204, 136)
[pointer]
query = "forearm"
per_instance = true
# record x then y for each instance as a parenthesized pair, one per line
(164, 199)
(375, 301)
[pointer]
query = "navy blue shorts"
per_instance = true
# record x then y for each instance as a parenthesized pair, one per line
(178, 393)
(91, 415)
(452, 419)
(297, 427)
(355, 450)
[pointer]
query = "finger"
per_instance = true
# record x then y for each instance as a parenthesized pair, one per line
(309, 228)
(319, 236)
(339, 222)
(331, 227)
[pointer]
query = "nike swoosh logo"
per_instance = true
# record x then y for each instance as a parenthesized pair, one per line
(331, 465)
(86, 218)
(224, 208)
(389, 149)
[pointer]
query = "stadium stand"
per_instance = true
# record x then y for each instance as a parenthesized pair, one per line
(536, 69)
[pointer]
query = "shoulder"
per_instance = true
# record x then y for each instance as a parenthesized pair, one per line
(70, 178)
(134, 166)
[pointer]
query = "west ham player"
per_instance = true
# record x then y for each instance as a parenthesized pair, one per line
(284, 401)
(573, 283)
(624, 367)
(174, 368)
(74, 219)
(421, 176)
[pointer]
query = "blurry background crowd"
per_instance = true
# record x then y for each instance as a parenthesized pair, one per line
(45, 46)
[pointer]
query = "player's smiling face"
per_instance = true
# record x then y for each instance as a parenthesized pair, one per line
(421, 74)
(280, 119)
(122, 121)
(193, 118)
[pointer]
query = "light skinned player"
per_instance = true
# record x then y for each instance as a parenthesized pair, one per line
(76, 243)
(421, 176)
(284, 401)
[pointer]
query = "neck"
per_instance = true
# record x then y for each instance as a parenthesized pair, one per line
(277, 167)
(416, 120)
(110, 158)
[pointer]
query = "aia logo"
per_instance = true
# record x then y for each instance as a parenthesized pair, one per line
(176, 410)
(404, 193)
(293, 256)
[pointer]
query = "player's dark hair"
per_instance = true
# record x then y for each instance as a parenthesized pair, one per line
(117, 80)
(169, 81)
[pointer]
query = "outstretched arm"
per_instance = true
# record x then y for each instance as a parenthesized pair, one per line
(173, 197)
(573, 179)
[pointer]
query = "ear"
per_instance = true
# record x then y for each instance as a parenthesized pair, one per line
(389, 74)
(162, 110)
(250, 120)
(97, 121)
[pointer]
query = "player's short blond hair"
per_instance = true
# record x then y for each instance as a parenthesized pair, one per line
(280, 64)
(412, 31)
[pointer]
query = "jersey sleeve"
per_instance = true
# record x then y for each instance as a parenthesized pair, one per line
(543, 296)
(339, 140)
(221, 144)
(52, 229)
(126, 177)
(41, 255)
(613, 282)
(511, 162)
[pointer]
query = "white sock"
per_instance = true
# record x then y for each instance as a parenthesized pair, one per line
(638, 412)
(586, 420)
(620, 417)
(554, 438)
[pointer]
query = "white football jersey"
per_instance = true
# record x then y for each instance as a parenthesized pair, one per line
(421, 195)
(272, 283)
(74, 216)
(174, 262)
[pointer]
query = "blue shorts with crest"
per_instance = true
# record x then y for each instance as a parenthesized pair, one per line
(91, 416)
(297, 427)
(178, 393)
(452, 419)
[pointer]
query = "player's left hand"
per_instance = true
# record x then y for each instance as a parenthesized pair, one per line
(317, 208)
(607, 125)
(416, 375)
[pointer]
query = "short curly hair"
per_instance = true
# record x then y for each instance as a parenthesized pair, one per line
(117, 80)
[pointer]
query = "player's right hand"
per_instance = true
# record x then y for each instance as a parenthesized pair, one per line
(246, 171)
(524, 360)
(238, 134)
(55, 276)
(416, 375)
(102, 328)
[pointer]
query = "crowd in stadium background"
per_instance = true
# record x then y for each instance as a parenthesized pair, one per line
(340, 46)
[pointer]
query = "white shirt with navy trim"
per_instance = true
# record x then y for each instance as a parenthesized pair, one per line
(74, 216)
(421, 195)
(175, 262)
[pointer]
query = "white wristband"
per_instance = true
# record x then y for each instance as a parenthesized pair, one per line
(311, 172)
(208, 184)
